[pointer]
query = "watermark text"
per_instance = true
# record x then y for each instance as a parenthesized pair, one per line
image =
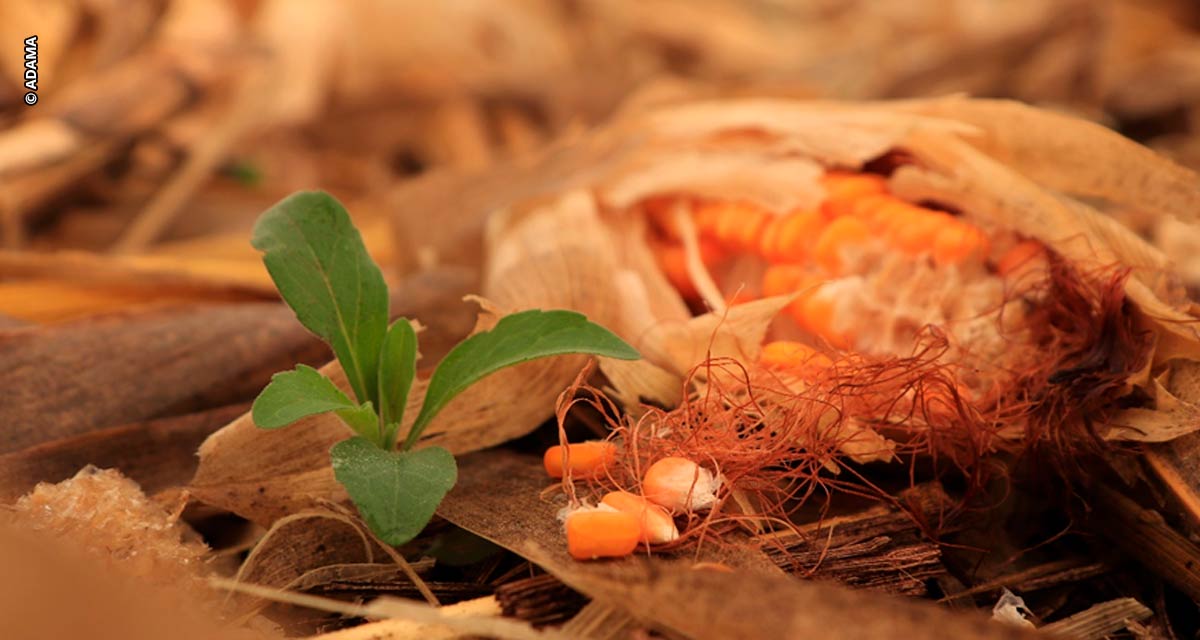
(31, 70)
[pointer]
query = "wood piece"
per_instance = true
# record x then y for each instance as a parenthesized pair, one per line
(1042, 576)
(70, 379)
(497, 497)
(880, 548)
(156, 454)
(1145, 535)
(1177, 466)
(599, 621)
(541, 600)
(1099, 621)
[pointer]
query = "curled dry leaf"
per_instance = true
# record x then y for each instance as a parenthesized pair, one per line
(69, 379)
(157, 454)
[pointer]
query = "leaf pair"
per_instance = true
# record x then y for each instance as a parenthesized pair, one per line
(322, 269)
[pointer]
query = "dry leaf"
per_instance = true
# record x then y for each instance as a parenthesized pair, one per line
(158, 454)
(497, 497)
(73, 378)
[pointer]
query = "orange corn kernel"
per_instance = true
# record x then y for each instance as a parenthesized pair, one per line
(816, 312)
(672, 259)
(1025, 252)
(737, 226)
(782, 279)
(680, 485)
(584, 459)
(916, 233)
(891, 214)
(959, 242)
(844, 190)
(656, 524)
(792, 238)
(794, 356)
(600, 533)
(871, 207)
(840, 235)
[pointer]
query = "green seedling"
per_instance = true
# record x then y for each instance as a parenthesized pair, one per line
(323, 272)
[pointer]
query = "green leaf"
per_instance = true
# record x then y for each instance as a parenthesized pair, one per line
(396, 492)
(363, 420)
(317, 259)
(397, 369)
(304, 392)
(517, 338)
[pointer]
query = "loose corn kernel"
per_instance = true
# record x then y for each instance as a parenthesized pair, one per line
(680, 485)
(657, 526)
(600, 533)
(584, 459)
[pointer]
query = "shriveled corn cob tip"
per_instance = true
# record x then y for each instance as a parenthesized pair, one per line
(601, 533)
(584, 459)
(680, 485)
(841, 234)
(657, 526)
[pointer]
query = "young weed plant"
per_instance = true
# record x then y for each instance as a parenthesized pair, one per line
(317, 259)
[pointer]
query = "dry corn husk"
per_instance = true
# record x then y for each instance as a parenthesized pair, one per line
(559, 237)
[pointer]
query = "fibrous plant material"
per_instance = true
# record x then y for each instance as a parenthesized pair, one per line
(107, 515)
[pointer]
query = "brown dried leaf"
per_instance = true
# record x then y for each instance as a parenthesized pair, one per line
(70, 379)
(300, 543)
(498, 498)
(157, 454)
(1073, 155)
